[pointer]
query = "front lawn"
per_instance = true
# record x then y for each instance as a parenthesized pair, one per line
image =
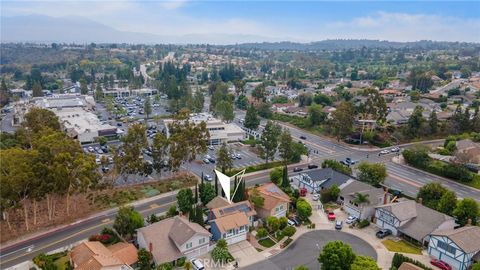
(267, 242)
(401, 246)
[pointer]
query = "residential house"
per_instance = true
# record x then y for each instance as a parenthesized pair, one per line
(281, 107)
(412, 220)
(318, 179)
(275, 201)
(173, 238)
(470, 149)
(231, 222)
(348, 193)
(459, 248)
(217, 202)
(93, 255)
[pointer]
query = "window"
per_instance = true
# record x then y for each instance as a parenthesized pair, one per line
(242, 229)
(281, 207)
(201, 241)
(446, 247)
(229, 233)
(189, 245)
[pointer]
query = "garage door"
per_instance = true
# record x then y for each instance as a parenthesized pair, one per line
(237, 239)
(351, 211)
(454, 263)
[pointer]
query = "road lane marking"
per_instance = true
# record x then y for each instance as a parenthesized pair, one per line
(105, 220)
(154, 205)
(78, 233)
(415, 184)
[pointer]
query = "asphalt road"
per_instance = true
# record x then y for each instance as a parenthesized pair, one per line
(305, 250)
(400, 177)
(75, 232)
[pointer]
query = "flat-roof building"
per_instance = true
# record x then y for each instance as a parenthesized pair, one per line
(220, 132)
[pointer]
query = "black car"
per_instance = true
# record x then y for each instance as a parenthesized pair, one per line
(383, 233)
(297, 169)
(211, 159)
(312, 166)
(303, 137)
(295, 221)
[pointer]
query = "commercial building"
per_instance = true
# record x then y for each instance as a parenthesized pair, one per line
(125, 92)
(75, 113)
(220, 132)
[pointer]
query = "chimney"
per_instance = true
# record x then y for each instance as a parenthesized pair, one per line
(385, 196)
(150, 247)
(420, 200)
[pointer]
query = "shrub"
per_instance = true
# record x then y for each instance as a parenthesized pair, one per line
(181, 261)
(398, 259)
(165, 266)
(289, 231)
(336, 166)
(288, 241)
(220, 254)
(363, 223)
(283, 222)
(261, 233)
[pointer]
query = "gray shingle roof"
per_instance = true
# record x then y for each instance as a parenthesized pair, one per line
(467, 238)
(329, 176)
(421, 220)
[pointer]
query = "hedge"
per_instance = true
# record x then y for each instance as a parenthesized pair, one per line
(363, 223)
(398, 259)
(255, 168)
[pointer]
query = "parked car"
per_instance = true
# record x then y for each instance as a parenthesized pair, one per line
(211, 147)
(384, 152)
(206, 161)
(303, 137)
(295, 220)
(105, 169)
(350, 161)
(91, 149)
(290, 222)
(338, 225)
(395, 149)
(315, 197)
(211, 159)
(441, 264)
(312, 166)
(350, 220)
(331, 216)
(207, 177)
(383, 233)
(297, 169)
(238, 156)
(197, 265)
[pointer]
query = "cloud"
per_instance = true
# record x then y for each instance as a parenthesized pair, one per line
(170, 5)
(405, 27)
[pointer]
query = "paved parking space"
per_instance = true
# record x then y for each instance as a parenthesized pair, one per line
(305, 250)
(244, 252)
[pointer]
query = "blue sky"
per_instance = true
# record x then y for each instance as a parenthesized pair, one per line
(275, 20)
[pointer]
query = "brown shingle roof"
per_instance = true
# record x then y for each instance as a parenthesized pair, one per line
(272, 195)
(231, 221)
(232, 208)
(157, 234)
(126, 252)
(467, 238)
(217, 202)
(409, 266)
(94, 255)
(182, 230)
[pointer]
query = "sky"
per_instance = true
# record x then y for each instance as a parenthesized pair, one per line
(301, 21)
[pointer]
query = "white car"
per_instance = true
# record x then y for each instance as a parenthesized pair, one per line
(395, 150)
(350, 220)
(384, 152)
(315, 197)
(290, 223)
(197, 265)
(211, 147)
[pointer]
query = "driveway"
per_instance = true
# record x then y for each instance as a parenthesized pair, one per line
(307, 247)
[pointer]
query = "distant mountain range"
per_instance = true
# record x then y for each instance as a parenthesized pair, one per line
(80, 30)
(46, 29)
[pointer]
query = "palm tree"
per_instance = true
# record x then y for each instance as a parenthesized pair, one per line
(360, 198)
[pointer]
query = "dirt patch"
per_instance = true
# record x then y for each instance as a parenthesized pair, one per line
(83, 205)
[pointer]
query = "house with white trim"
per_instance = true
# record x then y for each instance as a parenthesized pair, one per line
(412, 220)
(460, 248)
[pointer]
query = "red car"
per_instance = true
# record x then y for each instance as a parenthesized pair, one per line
(331, 216)
(441, 264)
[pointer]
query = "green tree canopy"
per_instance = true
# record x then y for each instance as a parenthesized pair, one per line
(127, 221)
(336, 255)
(373, 173)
